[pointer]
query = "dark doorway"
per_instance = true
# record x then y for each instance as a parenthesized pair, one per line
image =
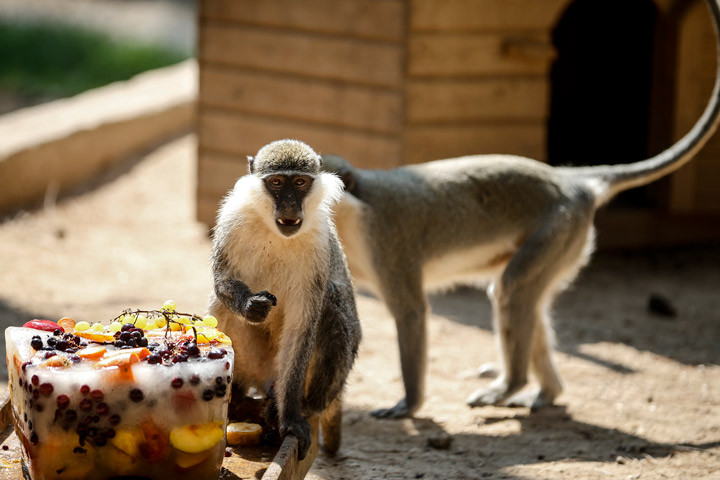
(601, 85)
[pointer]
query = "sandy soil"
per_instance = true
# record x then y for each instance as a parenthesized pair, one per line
(642, 395)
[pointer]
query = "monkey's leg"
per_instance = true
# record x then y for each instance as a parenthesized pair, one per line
(331, 426)
(519, 304)
(408, 306)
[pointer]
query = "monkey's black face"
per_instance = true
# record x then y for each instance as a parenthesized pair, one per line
(288, 193)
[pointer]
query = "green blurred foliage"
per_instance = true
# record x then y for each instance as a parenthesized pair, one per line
(54, 61)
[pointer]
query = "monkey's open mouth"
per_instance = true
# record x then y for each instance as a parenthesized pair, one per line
(288, 226)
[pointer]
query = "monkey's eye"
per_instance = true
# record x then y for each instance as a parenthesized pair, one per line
(275, 182)
(299, 182)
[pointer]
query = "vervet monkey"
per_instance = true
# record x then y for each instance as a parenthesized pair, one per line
(522, 226)
(282, 289)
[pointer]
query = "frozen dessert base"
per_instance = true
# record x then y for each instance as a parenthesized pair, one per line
(255, 462)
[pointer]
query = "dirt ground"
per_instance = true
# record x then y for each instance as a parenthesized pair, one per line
(642, 395)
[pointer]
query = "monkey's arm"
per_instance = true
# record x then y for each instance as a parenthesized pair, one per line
(240, 299)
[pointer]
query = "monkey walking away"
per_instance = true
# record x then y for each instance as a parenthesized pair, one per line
(523, 227)
(282, 289)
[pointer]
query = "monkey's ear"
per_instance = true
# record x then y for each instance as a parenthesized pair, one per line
(251, 164)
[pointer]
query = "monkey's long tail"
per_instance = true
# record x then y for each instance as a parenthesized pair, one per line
(609, 180)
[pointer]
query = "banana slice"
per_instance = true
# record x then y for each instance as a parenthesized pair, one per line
(242, 434)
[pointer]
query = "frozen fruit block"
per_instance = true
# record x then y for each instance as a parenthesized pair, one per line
(143, 395)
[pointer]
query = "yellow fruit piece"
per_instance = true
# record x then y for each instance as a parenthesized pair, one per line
(92, 352)
(82, 326)
(128, 441)
(115, 327)
(169, 306)
(210, 321)
(188, 460)
(196, 438)
(141, 322)
(98, 327)
(160, 322)
(175, 327)
(57, 361)
(242, 434)
(96, 336)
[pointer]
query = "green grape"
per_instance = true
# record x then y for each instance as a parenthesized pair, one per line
(98, 327)
(115, 326)
(82, 326)
(169, 306)
(141, 322)
(210, 321)
(160, 322)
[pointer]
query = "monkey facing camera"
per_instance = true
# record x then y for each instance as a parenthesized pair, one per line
(282, 290)
(520, 226)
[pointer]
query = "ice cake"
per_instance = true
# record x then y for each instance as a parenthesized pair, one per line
(145, 394)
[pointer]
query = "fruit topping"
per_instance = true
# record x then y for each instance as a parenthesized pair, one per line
(196, 438)
(242, 434)
(44, 325)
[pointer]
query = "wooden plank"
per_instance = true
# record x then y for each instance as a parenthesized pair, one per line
(468, 15)
(302, 54)
(206, 208)
(303, 99)
(423, 144)
(240, 134)
(483, 99)
(217, 173)
(480, 54)
(376, 19)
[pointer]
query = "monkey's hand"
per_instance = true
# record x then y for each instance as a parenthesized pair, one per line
(257, 306)
(300, 429)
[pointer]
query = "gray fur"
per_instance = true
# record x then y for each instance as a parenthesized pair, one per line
(309, 369)
(525, 227)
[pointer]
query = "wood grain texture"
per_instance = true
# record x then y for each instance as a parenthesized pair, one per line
(302, 54)
(304, 99)
(373, 19)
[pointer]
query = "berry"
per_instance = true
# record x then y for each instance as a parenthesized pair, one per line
(46, 389)
(36, 343)
(126, 327)
(58, 331)
(97, 394)
(154, 359)
(177, 382)
(102, 408)
(125, 335)
(219, 380)
(70, 416)
(49, 355)
(119, 344)
(194, 380)
(142, 342)
(208, 394)
(193, 349)
(52, 341)
(136, 395)
(85, 389)
(85, 404)
(35, 380)
(114, 419)
(34, 438)
(63, 401)
(214, 354)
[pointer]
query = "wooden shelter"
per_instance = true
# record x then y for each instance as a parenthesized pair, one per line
(392, 82)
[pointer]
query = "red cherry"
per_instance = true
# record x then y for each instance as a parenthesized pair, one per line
(45, 325)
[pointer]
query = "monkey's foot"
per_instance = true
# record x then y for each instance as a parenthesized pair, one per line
(300, 429)
(534, 400)
(496, 394)
(401, 410)
(488, 370)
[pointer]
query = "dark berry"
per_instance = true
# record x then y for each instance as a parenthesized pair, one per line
(79, 450)
(70, 416)
(228, 378)
(96, 418)
(119, 344)
(85, 404)
(58, 414)
(220, 390)
(154, 359)
(208, 394)
(142, 342)
(214, 354)
(35, 379)
(36, 343)
(228, 453)
(49, 355)
(137, 334)
(114, 419)
(97, 394)
(87, 419)
(39, 407)
(193, 349)
(108, 433)
(132, 343)
(102, 408)
(46, 389)
(127, 326)
(75, 358)
(62, 345)
(219, 380)
(76, 339)
(52, 341)
(227, 367)
(25, 365)
(136, 395)
(85, 389)
(194, 380)
(125, 336)
(36, 394)
(63, 401)
(57, 332)
(100, 441)
(177, 382)
(5, 447)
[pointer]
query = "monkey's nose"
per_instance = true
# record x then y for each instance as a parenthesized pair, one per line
(289, 222)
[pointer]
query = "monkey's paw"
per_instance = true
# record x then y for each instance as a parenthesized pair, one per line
(533, 400)
(258, 306)
(401, 410)
(300, 429)
(495, 394)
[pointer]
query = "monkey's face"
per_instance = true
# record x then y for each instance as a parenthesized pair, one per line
(288, 192)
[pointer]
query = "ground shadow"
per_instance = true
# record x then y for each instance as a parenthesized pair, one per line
(609, 303)
(548, 435)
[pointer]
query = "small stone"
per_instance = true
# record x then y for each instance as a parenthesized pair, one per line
(440, 440)
(661, 305)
